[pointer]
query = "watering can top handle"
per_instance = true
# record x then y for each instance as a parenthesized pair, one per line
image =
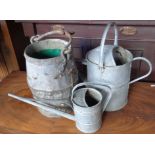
(147, 74)
(76, 86)
(56, 29)
(104, 36)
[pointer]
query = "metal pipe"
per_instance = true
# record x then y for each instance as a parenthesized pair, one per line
(44, 107)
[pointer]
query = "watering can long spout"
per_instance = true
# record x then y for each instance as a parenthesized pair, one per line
(44, 107)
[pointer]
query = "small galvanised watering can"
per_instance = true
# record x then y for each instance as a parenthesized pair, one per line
(101, 68)
(88, 105)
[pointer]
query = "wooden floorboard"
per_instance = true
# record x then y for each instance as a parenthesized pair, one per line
(17, 117)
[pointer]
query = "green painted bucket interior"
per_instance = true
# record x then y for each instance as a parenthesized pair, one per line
(47, 53)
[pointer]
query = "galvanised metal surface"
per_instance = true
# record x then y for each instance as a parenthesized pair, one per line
(88, 109)
(51, 79)
(119, 97)
(89, 117)
(117, 77)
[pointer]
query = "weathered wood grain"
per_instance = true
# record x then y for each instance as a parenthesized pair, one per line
(17, 117)
(8, 49)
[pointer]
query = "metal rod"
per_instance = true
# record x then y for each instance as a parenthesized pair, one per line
(44, 107)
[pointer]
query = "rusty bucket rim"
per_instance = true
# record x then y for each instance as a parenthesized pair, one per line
(46, 60)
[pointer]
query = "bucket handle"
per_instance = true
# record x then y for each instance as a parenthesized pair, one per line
(147, 74)
(104, 36)
(56, 29)
(94, 85)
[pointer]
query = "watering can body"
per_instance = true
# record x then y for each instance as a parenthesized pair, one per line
(88, 119)
(117, 77)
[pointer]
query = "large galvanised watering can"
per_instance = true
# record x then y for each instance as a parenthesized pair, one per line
(51, 72)
(89, 103)
(116, 75)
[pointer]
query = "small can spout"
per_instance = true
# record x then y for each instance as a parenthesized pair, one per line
(44, 107)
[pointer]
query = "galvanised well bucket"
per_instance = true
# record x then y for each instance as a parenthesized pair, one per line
(88, 106)
(51, 72)
(117, 77)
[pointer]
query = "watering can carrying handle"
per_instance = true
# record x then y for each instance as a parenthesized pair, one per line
(147, 74)
(56, 29)
(95, 85)
(101, 61)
